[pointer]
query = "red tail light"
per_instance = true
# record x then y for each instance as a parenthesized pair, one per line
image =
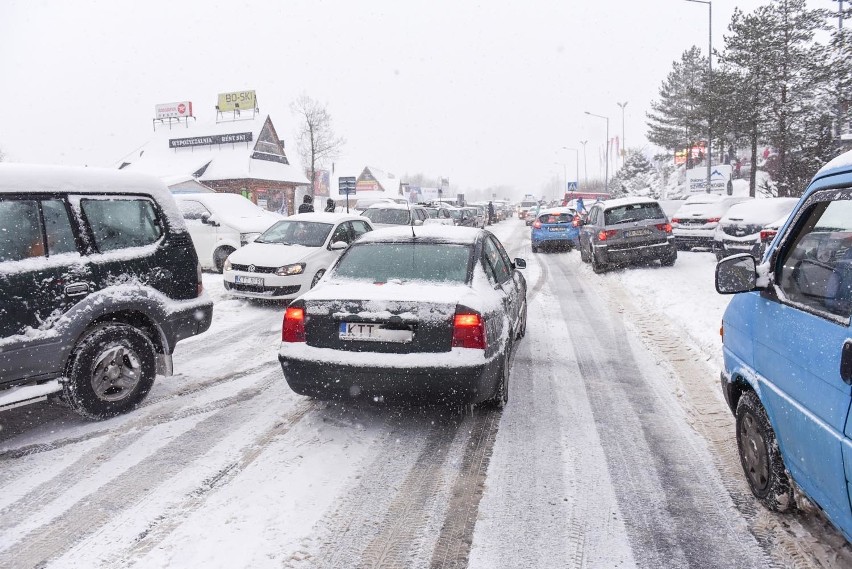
(468, 331)
(714, 220)
(675, 220)
(604, 235)
(768, 235)
(667, 227)
(537, 224)
(294, 325)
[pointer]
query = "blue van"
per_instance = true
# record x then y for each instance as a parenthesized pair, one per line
(788, 352)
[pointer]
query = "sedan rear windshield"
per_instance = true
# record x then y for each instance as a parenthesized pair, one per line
(388, 216)
(634, 212)
(381, 262)
(305, 233)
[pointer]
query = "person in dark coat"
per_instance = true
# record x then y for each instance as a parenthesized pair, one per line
(307, 205)
(490, 213)
(329, 205)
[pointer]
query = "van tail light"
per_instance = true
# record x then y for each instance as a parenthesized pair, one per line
(468, 330)
(294, 325)
(767, 235)
(713, 220)
(537, 224)
(604, 235)
(667, 227)
(199, 286)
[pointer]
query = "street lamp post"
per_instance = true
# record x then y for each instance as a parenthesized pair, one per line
(606, 175)
(585, 164)
(709, 79)
(623, 137)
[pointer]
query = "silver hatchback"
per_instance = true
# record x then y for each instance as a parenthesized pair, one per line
(622, 231)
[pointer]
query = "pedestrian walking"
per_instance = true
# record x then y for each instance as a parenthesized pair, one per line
(307, 205)
(329, 205)
(490, 213)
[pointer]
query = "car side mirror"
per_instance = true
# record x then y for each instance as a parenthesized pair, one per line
(338, 246)
(736, 274)
(418, 222)
(520, 263)
(205, 218)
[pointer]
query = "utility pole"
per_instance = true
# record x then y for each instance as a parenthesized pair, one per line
(623, 136)
(585, 164)
(709, 80)
(606, 175)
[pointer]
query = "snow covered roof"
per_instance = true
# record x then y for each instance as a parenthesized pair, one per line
(322, 217)
(439, 233)
(261, 158)
(387, 204)
(627, 201)
(842, 162)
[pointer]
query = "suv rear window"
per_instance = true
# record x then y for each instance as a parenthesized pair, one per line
(381, 262)
(121, 223)
(633, 212)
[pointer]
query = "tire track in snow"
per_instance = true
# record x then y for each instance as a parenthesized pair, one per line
(662, 485)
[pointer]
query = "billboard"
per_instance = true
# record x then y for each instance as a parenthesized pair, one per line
(696, 153)
(173, 110)
(720, 180)
(234, 100)
(209, 140)
(322, 181)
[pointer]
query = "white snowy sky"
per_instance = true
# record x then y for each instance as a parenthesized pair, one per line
(485, 93)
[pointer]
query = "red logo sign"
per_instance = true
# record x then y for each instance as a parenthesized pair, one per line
(181, 109)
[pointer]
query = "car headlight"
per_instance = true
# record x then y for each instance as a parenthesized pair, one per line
(227, 265)
(288, 270)
(246, 238)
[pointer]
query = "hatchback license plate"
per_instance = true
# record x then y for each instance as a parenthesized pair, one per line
(371, 332)
(556, 229)
(637, 232)
(257, 281)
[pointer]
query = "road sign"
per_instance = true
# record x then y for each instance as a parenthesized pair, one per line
(346, 185)
(572, 186)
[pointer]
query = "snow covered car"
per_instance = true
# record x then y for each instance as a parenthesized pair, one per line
(788, 354)
(99, 281)
(386, 214)
(626, 230)
(439, 213)
(555, 226)
(291, 257)
(694, 224)
(434, 315)
(739, 231)
(222, 223)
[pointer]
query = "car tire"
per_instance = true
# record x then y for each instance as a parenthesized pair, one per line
(317, 277)
(110, 371)
(597, 266)
(535, 249)
(760, 457)
(584, 256)
(669, 260)
(720, 254)
(523, 331)
(501, 396)
(220, 256)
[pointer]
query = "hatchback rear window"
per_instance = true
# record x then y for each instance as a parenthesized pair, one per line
(633, 212)
(381, 262)
(556, 218)
(388, 216)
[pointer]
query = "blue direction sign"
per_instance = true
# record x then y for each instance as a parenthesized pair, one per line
(572, 186)
(346, 185)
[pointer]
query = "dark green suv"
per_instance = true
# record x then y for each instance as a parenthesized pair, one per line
(98, 282)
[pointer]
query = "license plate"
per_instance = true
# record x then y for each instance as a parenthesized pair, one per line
(367, 332)
(258, 281)
(637, 232)
(556, 229)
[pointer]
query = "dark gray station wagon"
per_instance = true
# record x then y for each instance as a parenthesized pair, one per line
(98, 282)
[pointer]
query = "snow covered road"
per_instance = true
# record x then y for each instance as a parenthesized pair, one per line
(615, 450)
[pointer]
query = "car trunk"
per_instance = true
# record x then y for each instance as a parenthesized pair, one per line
(393, 327)
(640, 234)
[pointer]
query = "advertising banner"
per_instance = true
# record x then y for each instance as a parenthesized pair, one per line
(322, 181)
(212, 139)
(173, 110)
(242, 100)
(720, 180)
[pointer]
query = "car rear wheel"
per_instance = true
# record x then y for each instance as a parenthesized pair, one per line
(317, 277)
(597, 266)
(219, 257)
(584, 255)
(535, 249)
(501, 396)
(111, 370)
(760, 457)
(669, 260)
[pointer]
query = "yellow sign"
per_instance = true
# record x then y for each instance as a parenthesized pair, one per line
(237, 100)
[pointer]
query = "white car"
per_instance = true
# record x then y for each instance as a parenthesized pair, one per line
(387, 214)
(219, 224)
(741, 228)
(291, 256)
(694, 224)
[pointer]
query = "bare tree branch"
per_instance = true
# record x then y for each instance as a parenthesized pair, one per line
(316, 140)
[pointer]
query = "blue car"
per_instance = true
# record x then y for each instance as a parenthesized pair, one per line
(558, 226)
(788, 352)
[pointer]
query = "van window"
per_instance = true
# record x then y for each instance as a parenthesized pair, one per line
(817, 269)
(122, 222)
(20, 234)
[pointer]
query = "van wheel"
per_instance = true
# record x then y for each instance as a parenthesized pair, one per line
(317, 277)
(760, 457)
(111, 371)
(219, 257)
